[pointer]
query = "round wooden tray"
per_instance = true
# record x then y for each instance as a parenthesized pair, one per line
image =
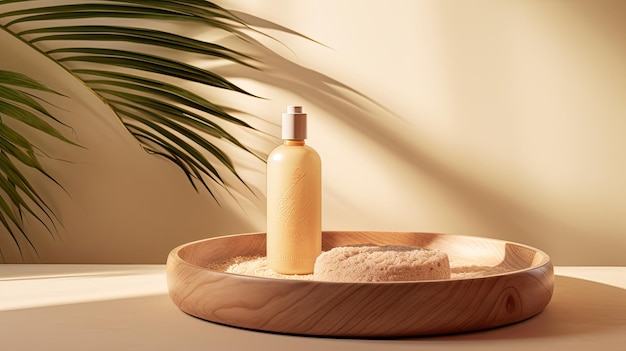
(378, 309)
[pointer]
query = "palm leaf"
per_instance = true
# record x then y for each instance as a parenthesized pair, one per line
(134, 69)
(152, 76)
(202, 12)
(18, 195)
(137, 35)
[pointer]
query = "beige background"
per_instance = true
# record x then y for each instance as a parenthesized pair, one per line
(503, 119)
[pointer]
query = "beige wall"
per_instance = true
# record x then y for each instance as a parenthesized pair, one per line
(503, 119)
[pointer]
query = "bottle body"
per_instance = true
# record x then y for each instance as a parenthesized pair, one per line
(294, 208)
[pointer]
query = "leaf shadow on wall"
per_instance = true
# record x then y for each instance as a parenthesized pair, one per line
(390, 132)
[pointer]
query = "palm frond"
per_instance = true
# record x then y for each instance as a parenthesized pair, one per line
(17, 195)
(134, 68)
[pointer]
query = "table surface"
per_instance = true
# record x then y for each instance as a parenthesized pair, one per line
(126, 307)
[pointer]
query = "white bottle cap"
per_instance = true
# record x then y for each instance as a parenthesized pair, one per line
(294, 123)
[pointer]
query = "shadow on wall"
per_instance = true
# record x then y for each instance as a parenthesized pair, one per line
(392, 133)
(507, 217)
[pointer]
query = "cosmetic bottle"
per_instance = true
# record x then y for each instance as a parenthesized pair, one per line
(294, 199)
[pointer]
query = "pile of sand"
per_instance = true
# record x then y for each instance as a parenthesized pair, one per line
(374, 263)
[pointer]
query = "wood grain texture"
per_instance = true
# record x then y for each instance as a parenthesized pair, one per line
(380, 309)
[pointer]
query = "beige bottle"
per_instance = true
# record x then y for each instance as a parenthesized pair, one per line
(294, 199)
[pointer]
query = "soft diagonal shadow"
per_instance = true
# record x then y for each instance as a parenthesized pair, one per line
(584, 313)
(389, 131)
